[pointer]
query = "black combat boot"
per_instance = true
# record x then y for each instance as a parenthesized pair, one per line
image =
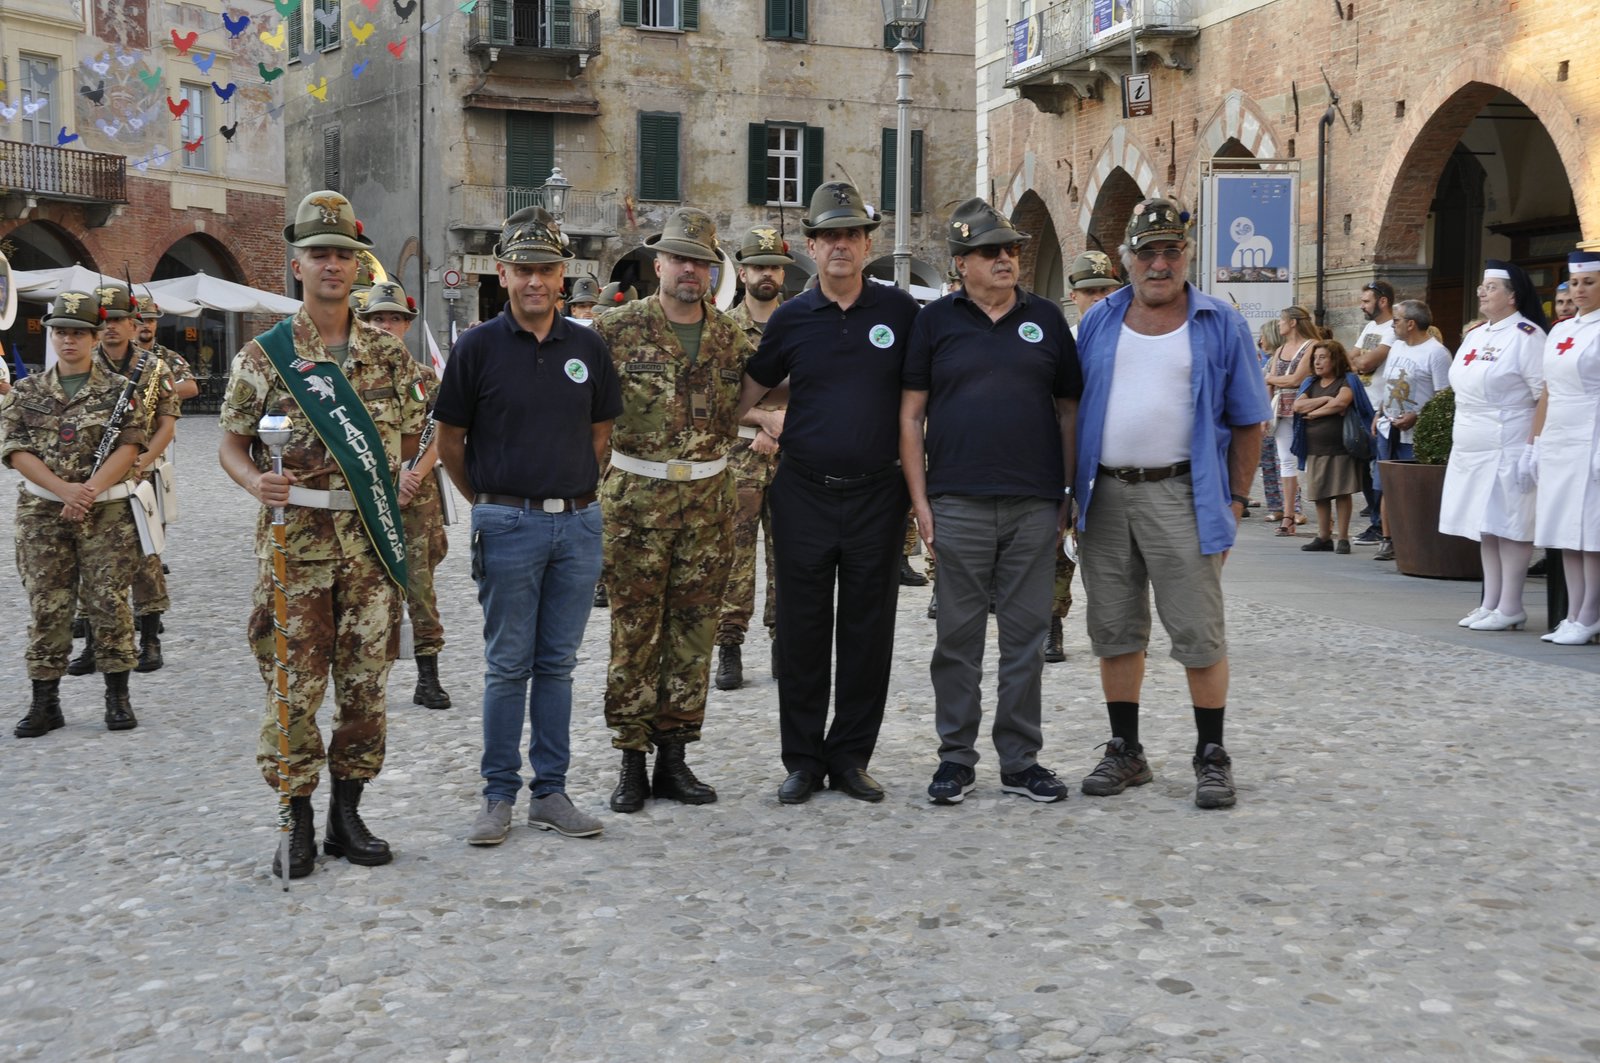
(600, 599)
(633, 784)
(730, 667)
(119, 712)
(302, 840)
(429, 693)
(346, 835)
(1054, 651)
(149, 643)
(44, 714)
(83, 663)
(674, 781)
(910, 577)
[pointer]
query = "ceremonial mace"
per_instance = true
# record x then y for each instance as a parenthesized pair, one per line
(273, 431)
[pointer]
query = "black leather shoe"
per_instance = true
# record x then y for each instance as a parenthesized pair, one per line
(347, 835)
(633, 784)
(83, 663)
(910, 577)
(119, 712)
(730, 667)
(798, 787)
(856, 783)
(44, 712)
(673, 780)
(149, 626)
(302, 841)
(429, 694)
(1054, 651)
(600, 599)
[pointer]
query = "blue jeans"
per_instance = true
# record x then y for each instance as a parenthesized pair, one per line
(536, 573)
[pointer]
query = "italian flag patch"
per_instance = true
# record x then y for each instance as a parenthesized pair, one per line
(418, 392)
(166, 383)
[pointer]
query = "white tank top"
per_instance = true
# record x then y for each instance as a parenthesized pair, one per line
(1150, 412)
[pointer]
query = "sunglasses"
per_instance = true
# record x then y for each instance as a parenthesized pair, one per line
(993, 250)
(1166, 254)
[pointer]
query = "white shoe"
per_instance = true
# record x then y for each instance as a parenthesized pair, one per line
(1498, 621)
(1549, 636)
(1473, 617)
(1576, 634)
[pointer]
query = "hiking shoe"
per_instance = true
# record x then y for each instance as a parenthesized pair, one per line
(1371, 537)
(1122, 766)
(1318, 546)
(555, 812)
(951, 783)
(492, 824)
(1035, 782)
(1213, 777)
(1385, 551)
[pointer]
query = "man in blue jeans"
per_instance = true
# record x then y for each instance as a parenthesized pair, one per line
(525, 414)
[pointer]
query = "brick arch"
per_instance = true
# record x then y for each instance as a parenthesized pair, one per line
(1122, 151)
(74, 237)
(184, 230)
(1042, 266)
(1237, 117)
(1423, 143)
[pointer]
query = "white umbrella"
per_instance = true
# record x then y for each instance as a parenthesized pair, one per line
(218, 294)
(43, 285)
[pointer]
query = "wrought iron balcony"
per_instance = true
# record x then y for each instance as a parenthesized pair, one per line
(487, 206)
(538, 29)
(1068, 46)
(41, 171)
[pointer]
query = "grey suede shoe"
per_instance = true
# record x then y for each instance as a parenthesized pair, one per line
(492, 824)
(555, 812)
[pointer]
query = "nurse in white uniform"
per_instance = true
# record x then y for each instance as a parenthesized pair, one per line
(1497, 375)
(1566, 452)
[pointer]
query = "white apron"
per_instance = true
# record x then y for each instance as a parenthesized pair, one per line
(1496, 375)
(1569, 501)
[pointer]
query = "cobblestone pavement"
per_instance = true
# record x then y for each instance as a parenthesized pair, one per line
(1410, 874)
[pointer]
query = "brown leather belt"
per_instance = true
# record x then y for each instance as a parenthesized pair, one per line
(548, 505)
(1145, 476)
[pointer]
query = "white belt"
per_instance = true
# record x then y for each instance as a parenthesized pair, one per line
(110, 494)
(676, 470)
(748, 431)
(308, 498)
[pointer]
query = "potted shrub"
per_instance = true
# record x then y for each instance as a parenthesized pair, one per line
(1411, 493)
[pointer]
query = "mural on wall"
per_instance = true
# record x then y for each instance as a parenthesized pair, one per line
(124, 22)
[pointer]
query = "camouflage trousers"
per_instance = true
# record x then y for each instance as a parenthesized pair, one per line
(59, 560)
(150, 587)
(666, 587)
(426, 546)
(343, 617)
(1062, 603)
(739, 601)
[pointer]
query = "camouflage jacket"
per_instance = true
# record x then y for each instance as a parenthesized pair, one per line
(37, 417)
(659, 389)
(382, 372)
(156, 395)
(175, 362)
(748, 464)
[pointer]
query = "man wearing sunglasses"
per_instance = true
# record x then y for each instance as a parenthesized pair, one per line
(1168, 441)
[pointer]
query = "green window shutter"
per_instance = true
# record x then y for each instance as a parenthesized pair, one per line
(916, 171)
(319, 37)
(811, 163)
(530, 156)
(297, 32)
(658, 156)
(797, 19)
(891, 141)
(691, 14)
(757, 190)
(777, 18)
(561, 23)
(629, 16)
(500, 22)
(886, 184)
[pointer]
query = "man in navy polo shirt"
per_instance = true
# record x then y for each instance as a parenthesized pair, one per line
(525, 414)
(838, 499)
(993, 497)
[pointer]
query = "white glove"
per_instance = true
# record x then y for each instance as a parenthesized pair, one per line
(1528, 466)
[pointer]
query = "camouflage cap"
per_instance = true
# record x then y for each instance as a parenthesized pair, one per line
(585, 291)
(689, 233)
(1156, 219)
(531, 236)
(763, 246)
(975, 224)
(325, 219)
(116, 300)
(614, 294)
(1092, 269)
(146, 308)
(75, 310)
(838, 205)
(387, 297)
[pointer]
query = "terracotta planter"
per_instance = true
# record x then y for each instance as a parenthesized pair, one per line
(1411, 494)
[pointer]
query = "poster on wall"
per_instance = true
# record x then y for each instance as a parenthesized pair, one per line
(1026, 38)
(1248, 241)
(1108, 17)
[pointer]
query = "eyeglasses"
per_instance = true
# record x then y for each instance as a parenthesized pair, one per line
(993, 250)
(1166, 254)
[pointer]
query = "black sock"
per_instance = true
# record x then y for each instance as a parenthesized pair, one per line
(1124, 721)
(1208, 727)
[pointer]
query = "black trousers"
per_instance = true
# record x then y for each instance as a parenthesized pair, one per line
(832, 537)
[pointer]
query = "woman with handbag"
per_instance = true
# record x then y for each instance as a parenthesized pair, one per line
(1331, 475)
(1288, 370)
(1497, 376)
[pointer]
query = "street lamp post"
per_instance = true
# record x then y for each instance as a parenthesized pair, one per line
(906, 16)
(555, 193)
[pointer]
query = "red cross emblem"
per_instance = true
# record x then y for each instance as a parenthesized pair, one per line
(1470, 356)
(1564, 346)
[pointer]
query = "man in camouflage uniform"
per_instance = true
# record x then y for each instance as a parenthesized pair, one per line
(158, 411)
(761, 258)
(668, 502)
(387, 307)
(184, 383)
(74, 532)
(343, 610)
(612, 296)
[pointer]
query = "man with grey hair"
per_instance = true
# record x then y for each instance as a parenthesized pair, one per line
(1418, 365)
(1168, 439)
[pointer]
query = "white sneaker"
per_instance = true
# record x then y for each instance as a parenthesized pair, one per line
(1473, 617)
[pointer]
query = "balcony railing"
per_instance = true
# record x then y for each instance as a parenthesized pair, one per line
(1069, 33)
(487, 206)
(61, 173)
(548, 29)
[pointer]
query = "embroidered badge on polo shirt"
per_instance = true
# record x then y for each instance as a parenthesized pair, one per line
(881, 336)
(576, 371)
(1030, 332)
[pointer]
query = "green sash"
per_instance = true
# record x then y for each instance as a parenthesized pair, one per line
(345, 427)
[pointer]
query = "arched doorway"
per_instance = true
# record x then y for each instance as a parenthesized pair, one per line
(1481, 179)
(923, 273)
(207, 342)
(36, 245)
(1042, 269)
(1119, 194)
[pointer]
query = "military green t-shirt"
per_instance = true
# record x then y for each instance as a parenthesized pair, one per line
(73, 384)
(338, 351)
(688, 338)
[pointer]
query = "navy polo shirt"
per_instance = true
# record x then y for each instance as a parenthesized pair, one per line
(992, 386)
(528, 406)
(843, 368)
